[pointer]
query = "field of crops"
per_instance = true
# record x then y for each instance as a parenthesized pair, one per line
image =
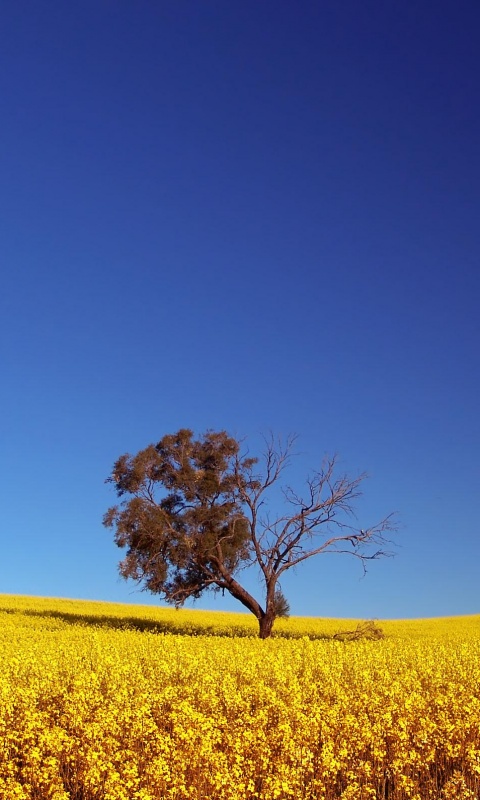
(110, 702)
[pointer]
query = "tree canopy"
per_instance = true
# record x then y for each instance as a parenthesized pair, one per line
(193, 515)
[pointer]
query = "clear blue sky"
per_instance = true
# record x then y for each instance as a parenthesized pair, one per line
(247, 216)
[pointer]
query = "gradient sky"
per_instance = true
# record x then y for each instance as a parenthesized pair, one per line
(244, 216)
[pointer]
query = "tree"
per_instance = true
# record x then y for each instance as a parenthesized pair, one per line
(195, 514)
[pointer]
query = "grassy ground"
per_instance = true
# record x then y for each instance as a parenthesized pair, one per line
(115, 702)
(59, 612)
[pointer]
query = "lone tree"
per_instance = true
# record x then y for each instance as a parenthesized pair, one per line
(195, 514)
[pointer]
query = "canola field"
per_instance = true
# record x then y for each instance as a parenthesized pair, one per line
(111, 702)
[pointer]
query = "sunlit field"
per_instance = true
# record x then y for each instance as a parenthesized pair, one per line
(113, 702)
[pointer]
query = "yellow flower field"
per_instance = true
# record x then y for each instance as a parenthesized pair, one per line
(110, 702)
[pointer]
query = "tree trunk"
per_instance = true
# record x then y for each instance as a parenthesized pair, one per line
(239, 593)
(266, 625)
(267, 618)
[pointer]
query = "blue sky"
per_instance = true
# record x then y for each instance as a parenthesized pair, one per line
(243, 216)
